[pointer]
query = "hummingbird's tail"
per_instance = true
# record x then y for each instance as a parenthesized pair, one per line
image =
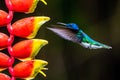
(106, 46)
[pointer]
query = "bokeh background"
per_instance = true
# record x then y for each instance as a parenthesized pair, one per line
(100, 19)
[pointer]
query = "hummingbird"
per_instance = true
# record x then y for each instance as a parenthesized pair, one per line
(72, 32)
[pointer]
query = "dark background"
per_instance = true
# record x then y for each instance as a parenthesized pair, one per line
(100, 19)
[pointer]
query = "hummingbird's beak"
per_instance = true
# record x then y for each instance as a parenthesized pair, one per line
(61, 23)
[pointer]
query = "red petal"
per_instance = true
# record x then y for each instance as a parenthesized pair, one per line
(3, 18)
(21, 5)
(3, 40)
(23, 27)
(4, 77)
(4, 60)
(22, 49)
(23, 69)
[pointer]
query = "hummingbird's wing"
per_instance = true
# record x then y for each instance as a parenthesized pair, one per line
(65, 33)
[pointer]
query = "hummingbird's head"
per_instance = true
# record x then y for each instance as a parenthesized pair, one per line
(72, 26)
(69, 25)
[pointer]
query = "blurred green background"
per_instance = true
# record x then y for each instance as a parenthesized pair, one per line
(100, 19)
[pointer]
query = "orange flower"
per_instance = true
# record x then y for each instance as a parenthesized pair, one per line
(3, 18)
(28, 49)
(27, 6)
(4, 77)
(3, 41)
(4, 61)
(28, 27)
(29, 69)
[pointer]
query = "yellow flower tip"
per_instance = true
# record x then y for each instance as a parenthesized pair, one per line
(44, 41)
(41, 42)
(39, 66)
(42, 73)
(37, 45)
(44, 68)
(43, 65)
(2, 69)
(27, 79)
(44, 2)
(40, 20)
(46, 18)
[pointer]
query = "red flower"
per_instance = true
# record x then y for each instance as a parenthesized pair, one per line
(3, 18)
(26, 6)
(4, 61)
(28, 49)
(3, 41)
(4, 77)
(29, 69)
(28, 27)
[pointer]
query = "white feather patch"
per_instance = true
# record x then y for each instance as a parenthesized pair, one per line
(90, 46)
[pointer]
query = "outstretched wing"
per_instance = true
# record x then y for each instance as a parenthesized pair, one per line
(65, 33)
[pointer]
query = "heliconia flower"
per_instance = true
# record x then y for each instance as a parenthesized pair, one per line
(28, 27)
(3, 41)
(4, 61)
(29, 69)
(26, 6)
(4, 77)
(3, 18)
(28, 49)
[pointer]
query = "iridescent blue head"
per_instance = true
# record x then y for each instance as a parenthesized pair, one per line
(70, 25)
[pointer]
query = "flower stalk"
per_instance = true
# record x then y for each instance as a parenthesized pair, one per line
(11, 38)
(26, 50)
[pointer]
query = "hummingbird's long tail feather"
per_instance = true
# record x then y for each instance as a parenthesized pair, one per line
(106, 46)
(92, 44)
(95, 46)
